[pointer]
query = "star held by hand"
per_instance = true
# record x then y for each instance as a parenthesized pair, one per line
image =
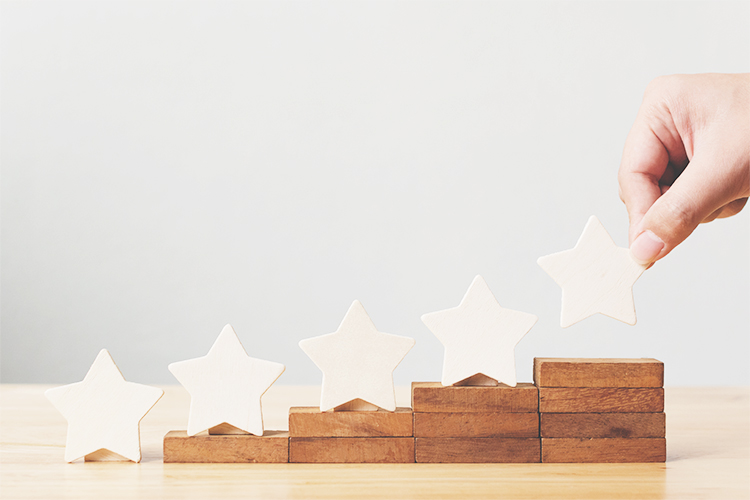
(225, 387)
(479, 336)
(357, 361)
(596, 276)
(103, 412)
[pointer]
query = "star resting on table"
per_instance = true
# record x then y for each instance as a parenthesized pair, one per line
(596, 276)
(357, 362)
(103, 412)
(479, 337)
(225, 387)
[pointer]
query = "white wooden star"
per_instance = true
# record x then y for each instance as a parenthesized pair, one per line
(225, 387)
(479, 337)
(357, 362)
(596, 276)
(103, 412)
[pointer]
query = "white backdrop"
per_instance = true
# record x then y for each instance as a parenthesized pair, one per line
(170, 167)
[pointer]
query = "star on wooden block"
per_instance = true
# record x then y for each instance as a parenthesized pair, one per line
(596, 276)
(103, 413)
(479, 337)
(357, 362)
(225, 387)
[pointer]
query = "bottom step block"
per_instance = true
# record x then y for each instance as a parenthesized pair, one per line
(478, 450)
(272, 447)
(351, 450)
(603, 450)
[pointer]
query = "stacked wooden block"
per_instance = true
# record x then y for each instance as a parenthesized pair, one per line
(350, 436)
(601, 410)
(271, 447)
(484, 424)
(577, 411)
(314, 437)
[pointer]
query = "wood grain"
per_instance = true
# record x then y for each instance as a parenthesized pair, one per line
(598, 372)
(434, 397)
(603, 425)
(351, 450)
(600, 400)
(607, 450)
(309, 421)
(272, 447)
(477, 450)
(444, 425)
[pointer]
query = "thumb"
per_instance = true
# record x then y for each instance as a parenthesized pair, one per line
(693, 197)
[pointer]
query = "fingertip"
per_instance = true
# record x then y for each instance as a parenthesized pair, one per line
(646, 248)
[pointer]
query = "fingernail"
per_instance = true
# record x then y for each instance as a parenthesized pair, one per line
(646, 248)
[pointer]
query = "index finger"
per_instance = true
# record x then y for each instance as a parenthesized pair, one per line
(644, 160)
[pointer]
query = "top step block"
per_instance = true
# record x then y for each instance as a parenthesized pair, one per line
(429, 397)
(598, 372)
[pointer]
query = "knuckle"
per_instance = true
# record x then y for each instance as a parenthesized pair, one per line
(668, 90)
(679, 216)
(658, 84)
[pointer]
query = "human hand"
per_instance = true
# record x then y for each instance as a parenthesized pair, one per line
(686, 159)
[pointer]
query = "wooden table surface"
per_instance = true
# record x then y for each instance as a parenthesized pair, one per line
(708, 447)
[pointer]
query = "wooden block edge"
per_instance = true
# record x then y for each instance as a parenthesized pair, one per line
(662, 457)
(402, 439)
(539, 362)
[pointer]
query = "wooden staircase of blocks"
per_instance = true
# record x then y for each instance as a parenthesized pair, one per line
(577, 411)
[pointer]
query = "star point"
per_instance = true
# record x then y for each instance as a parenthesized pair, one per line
(479, 337)
(225, 386)
(357, 361)
(596, 276)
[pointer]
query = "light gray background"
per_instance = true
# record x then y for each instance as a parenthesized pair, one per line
(170, 167)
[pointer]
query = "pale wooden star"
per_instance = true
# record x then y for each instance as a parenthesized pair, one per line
(596, 276)
(103, 412)
(479, 337)
(357, 361)
(225, 387)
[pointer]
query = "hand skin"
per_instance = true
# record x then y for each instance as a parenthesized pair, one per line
(686, 159)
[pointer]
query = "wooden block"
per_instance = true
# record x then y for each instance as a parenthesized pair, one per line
(598, 372)
(434, 397)
(306, 421)
(445, 425)
(600, 400)
(478, 450)
(603, 425)
(272, 447)
(606, 450)
(351, 450)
